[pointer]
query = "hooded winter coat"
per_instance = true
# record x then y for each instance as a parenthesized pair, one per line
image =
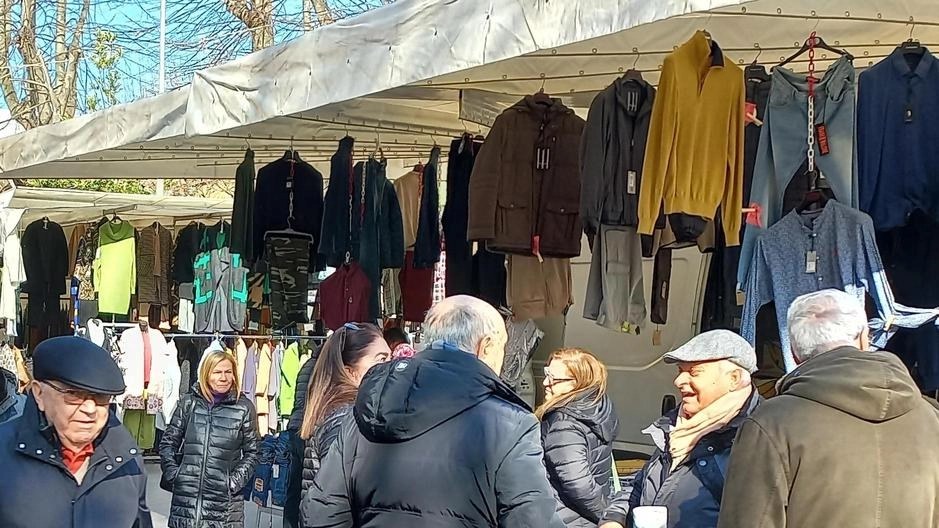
(578, 446)
(692, 490)
(11, 402)
(849, 441)
(611, 154)
(438, 440)
(525, 185)
(324, 436)
(219, 448)
(37, 490)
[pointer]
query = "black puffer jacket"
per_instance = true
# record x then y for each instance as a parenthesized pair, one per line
(219, 447)
(299, 400)
(438, 441)
(578, 445)
(324, 436)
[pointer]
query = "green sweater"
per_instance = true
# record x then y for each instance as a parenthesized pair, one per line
(289, 370)
(115, 267)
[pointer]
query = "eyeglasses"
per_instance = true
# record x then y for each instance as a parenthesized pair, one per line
(79, 397)
(552, 380)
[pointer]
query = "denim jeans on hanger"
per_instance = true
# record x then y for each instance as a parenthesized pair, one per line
(783, 147)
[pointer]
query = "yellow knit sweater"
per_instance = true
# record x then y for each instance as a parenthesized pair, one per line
(694, 156)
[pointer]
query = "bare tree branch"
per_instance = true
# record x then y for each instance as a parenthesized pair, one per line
(323, 16)
(61, 26)
(257, 17)
(69, 94)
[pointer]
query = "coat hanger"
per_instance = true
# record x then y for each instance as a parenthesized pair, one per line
(818, 195)
(632, 74)
(755, 71)
(819, 44)
(912, 46)
(540, 96)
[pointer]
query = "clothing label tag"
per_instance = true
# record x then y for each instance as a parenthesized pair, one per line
(536, 247)
(543, 158)
(741, 298)
(657, 337)
(811, 262)
(908, 113)
(631, 178)
(632, 101)
(821, 136)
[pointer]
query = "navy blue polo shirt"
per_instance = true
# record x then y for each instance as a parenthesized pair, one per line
(898, 139)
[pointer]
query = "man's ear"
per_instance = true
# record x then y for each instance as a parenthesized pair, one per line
(483, 346)
(36, 388)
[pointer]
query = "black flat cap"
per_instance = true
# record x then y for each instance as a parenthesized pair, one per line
(79, 363)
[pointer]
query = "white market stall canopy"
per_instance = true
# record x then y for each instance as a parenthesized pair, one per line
(69, 207)
(418, 72)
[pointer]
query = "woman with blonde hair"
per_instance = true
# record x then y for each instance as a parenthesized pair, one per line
(578, 426)
(210, 449)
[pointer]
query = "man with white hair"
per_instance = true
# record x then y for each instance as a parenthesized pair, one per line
(438, 439)
(849, 440)
(686, 472)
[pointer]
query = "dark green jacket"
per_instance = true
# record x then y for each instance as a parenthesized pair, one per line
(850, 441)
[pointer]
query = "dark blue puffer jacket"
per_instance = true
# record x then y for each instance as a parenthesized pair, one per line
(692, 491)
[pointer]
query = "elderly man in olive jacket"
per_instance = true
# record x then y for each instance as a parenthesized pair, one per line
(67, 461)
(849, 441)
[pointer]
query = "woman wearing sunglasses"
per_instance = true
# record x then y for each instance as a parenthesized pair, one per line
(346, 357)
(578, 426)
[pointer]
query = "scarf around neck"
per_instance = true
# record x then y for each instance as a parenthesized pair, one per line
(689, 431)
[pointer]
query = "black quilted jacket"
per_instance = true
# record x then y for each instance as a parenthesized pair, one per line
(578, 445)
(324, 436)
(219, 451)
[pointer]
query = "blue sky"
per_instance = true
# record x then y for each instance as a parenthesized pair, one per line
(199, 33)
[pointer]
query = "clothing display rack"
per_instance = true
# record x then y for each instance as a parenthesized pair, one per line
(243, 336)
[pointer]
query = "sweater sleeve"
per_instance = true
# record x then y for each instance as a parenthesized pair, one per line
(759, 291)
(484, 184)
(871, 273)
(756, 489)
(659, 151)
(733, 185)
(591, 167)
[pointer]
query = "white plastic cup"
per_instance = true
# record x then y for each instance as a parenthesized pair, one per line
(650, 517)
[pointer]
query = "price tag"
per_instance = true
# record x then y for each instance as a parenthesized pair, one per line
(275, 470)
(657, 337)
(811, 262)
(741, 298)
(750, 113)
(631, 178)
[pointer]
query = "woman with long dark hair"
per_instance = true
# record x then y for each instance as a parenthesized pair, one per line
(578, 426)
(346, 357)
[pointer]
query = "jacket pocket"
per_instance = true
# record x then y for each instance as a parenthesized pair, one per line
(560, 230)
(513, 223)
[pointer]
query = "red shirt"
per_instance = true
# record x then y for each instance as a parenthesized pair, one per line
(74, 460)
(344, 296)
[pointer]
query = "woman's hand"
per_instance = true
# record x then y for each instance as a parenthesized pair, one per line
(611, 525)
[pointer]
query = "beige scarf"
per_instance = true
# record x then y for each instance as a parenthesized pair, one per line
(688, 431)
